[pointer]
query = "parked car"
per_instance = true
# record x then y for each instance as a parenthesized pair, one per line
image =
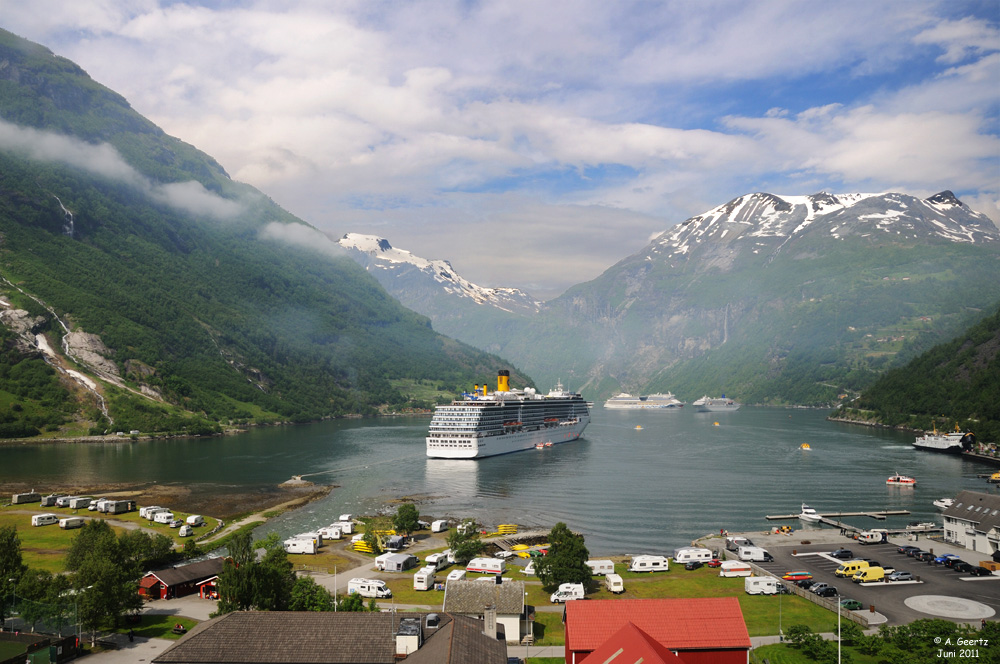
(943, 559)
(851, 604)
(694, 564)
(842, 554)
(962, 567)
(818, 587)
(906, 548)
(901, 575)
(913, 552)
(829, 591)
(714, 562)
(176, 523)
(925, 556)
(805, 583)
(980, 571)
(782, 589)
(952, 561)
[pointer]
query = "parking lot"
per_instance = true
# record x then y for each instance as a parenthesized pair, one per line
(940, 592)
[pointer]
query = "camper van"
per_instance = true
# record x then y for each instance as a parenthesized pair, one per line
(44, 519)
(760, 585)
(873, 537)
(185, 531)
(567, 592)
(601, 567)
(851, 567)
(71, 522)
(50, 500)
(689, 554)
(735, 568)
(300, 545)
(330, 532)
(869, 575)
(455, 575)
(79, 503)
(614, 583)
(754, 554)
(648, 564)
(163, 517)
(424, 579)
(368, 588)
(346, 517)
(487, 565)
(63, 501)
(346, 526)
(439, 526)
(734, 543)
(120, 506)
(148, 511)
(437, 561)
(195, 520)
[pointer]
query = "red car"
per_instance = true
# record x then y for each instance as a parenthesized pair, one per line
(714, 562)
(798, 575)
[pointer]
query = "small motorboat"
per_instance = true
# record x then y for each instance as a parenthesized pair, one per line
(901, 480)
(809, 514)
(944, 503)
(548, 444)
(805, 446)
(539, 446)
(638, 427)
(994, 478)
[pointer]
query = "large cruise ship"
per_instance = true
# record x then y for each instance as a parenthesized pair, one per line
(627, 401)
(950, 443)
(484, 424)
(708, 404)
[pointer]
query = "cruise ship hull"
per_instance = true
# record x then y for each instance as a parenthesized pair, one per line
(508, 443)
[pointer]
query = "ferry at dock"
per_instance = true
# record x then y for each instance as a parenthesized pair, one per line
(484, 424)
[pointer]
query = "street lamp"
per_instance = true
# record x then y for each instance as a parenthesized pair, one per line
(13, 589)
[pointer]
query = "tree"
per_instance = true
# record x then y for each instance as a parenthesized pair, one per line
(464, 541)
(407, 519)
(307, 595)
(566, 561)
(144, 550)
(246, 584)
(11, 567)
(32, 589)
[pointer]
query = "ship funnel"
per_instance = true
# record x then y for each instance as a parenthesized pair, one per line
(503, 378)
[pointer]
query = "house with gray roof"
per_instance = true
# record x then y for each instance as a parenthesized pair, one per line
(307, 637)
(973, 521)
(474, 598)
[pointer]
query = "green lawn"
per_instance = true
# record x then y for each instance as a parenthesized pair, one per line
(549, 629)
(158, 626)
(10, 649)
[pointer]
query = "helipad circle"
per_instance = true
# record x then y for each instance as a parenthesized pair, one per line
(949, 607)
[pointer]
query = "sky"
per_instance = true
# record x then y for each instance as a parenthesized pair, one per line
(535, 144)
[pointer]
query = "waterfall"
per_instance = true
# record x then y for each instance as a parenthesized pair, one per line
(67, 216)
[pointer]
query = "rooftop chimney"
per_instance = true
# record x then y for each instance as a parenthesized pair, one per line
(490, 622)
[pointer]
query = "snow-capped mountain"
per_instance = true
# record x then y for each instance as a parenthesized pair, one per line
(414, 279)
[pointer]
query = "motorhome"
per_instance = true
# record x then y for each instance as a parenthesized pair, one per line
(79, 503)
(346, 517)
(649, 564)
(735, 568)
(869, 575)
(760, 585)
(120, 506)
(455, 575)
(734, 543)
(148, 511)
(873, 536)
(369, 588)
(567, 592)
(424, 579)
(850, 568)
(195, 520)
(601, 567)
(437, 560)
(185, 531)
(63, 501)
(44, 519)
(163, 517)
(346, 526)
(689, 554)
(23, 498)
(100, 505)
(300, 545)
(487, 565)
(50, 500)
(754, 554)
(71, 522)
(614, 583)
(439, 526)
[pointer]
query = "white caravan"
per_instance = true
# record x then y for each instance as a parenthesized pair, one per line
(614, 583)
(735, 568)
(300, 545)
(689, 554)
(601, 567)
(487, 565)
(424, 579)
(649, 564)
(760, 585)
(44, 519)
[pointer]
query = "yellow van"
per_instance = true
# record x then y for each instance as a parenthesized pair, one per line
(870, 575)
(851, 567)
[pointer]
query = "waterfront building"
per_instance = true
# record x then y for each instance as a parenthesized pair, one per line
(973, 522)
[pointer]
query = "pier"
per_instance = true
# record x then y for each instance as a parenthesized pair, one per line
(827, 517)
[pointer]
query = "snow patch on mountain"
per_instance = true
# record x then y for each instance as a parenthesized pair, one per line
(383, 255)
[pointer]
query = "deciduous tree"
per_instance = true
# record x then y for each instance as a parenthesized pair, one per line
(11, 567)
(565, 561)
(407, 519)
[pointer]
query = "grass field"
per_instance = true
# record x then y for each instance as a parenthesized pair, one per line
(10, 649)
(158, 626)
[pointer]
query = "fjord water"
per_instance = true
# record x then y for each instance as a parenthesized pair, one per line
(628, 490)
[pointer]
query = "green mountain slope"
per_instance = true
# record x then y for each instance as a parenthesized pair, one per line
(207, 307)
(957, 382)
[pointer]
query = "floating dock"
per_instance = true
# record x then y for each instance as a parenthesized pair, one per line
(828, 520)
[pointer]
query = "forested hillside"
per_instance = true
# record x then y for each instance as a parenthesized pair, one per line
(204, 301)
(957, 382)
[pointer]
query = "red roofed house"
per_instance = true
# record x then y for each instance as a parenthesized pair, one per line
(706, 630)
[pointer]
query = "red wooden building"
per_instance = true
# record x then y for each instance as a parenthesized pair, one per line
(707, 630)
(178, 581)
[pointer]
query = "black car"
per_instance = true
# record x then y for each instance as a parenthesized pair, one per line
(694, 564)
(962, 567)
(842, 554)
(980, 571)
(914, 552)
(783, 589)
(925, 556)
(829, 591)
(951, 562)
(805, 584)
(905, 549)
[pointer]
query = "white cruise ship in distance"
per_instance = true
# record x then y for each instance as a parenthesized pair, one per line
(627, 401)
(484, 424)
(708, 404)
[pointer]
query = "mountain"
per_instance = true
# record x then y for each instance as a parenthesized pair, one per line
(772, 299)
(163, 296)
(954, 383)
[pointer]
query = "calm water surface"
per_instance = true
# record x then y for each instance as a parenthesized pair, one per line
(630, 491)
